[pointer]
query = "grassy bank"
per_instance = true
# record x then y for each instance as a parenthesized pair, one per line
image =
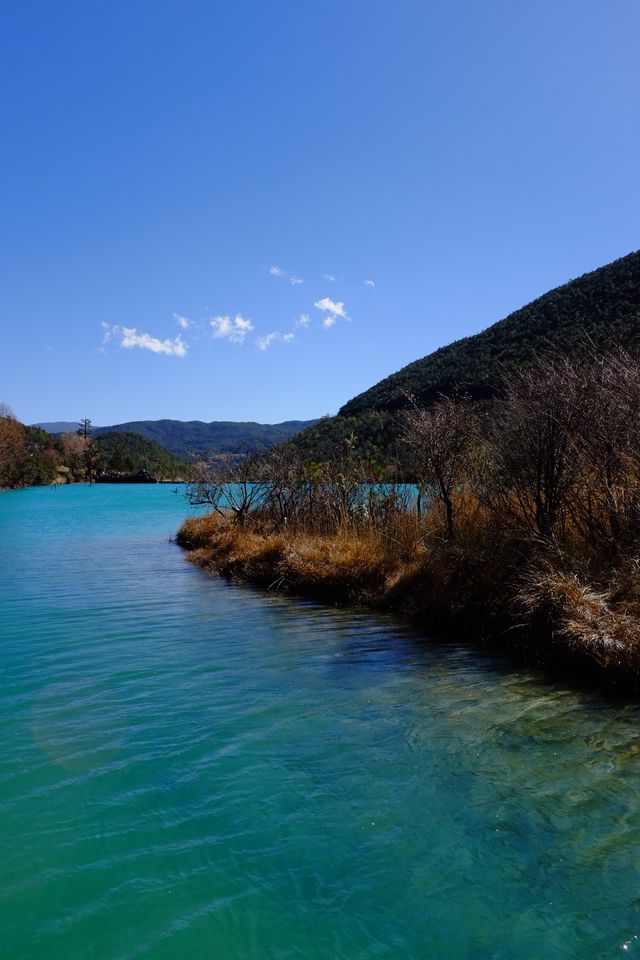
(528, 601)
(521, 526)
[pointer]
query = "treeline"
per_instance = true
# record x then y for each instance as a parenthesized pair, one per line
(187, 439)
(29, 456)
(129, 452)
(518, 519)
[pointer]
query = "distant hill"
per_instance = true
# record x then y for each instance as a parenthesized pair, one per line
(601, 309)
(129, 453)
(183, 438)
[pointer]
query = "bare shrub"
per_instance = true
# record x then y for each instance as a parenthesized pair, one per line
(439, 439)
(530, 469)
(233, 485)
(606, 508)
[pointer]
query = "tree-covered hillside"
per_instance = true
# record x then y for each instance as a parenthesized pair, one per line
(600, 309)
(187, 438)
(129, 452)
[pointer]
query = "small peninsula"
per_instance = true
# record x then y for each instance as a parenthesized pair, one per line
(500, 494)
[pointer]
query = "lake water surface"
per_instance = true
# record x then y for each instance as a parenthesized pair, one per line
(191, 769)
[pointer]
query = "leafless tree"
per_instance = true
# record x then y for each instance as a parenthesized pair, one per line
(234, 484)
(439, 439)
(531, 468)
(607, 508)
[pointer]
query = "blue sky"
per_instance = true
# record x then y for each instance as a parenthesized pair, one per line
(250, 210)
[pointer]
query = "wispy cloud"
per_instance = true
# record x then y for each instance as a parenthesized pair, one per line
(182, 321)
(329, 276)
(303, 320)
(107, 334)
(332, 310)
(280, 274)
(129, 338)
(234, 329)
(263, 343)
(370, 283)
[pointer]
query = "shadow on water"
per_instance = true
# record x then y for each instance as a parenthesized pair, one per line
(380, 641)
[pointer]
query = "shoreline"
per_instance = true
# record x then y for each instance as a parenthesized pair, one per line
(567, 628)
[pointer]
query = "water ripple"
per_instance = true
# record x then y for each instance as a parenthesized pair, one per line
(195, 769)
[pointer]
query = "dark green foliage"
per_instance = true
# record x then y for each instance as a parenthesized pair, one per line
(376, 435)
(129, 452)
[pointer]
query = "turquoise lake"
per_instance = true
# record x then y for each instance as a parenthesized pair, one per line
(193, 769)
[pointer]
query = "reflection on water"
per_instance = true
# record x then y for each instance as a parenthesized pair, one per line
(196, 769)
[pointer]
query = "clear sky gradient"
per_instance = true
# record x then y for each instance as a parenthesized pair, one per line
(172, 171)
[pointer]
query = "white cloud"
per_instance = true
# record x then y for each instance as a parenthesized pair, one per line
(370, 283)
(107, 333)
(303, 320)
(328, 321)
(263, 343)
(329, 276)
(129, 337)
(234, 329)
(182, 321)
(280, 274)
(332, 308)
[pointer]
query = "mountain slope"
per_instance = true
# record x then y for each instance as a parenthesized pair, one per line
(602, 307)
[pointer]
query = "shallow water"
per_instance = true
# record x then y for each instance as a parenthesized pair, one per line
(192, 769)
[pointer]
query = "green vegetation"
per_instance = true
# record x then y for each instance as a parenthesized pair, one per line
(597, 311)
(129, 453)
(29, 456)
(184, 439)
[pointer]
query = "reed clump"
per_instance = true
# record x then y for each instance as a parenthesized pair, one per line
(518, 521)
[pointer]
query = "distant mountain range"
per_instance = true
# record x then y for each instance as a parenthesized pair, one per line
(598, 310)
(184, 438)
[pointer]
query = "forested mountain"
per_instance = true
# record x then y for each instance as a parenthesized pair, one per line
(184, 438)
(600, 309)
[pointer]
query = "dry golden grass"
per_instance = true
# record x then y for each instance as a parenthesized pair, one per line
(482, 584)
(353, 564)
(586, 619)
(404, 566)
